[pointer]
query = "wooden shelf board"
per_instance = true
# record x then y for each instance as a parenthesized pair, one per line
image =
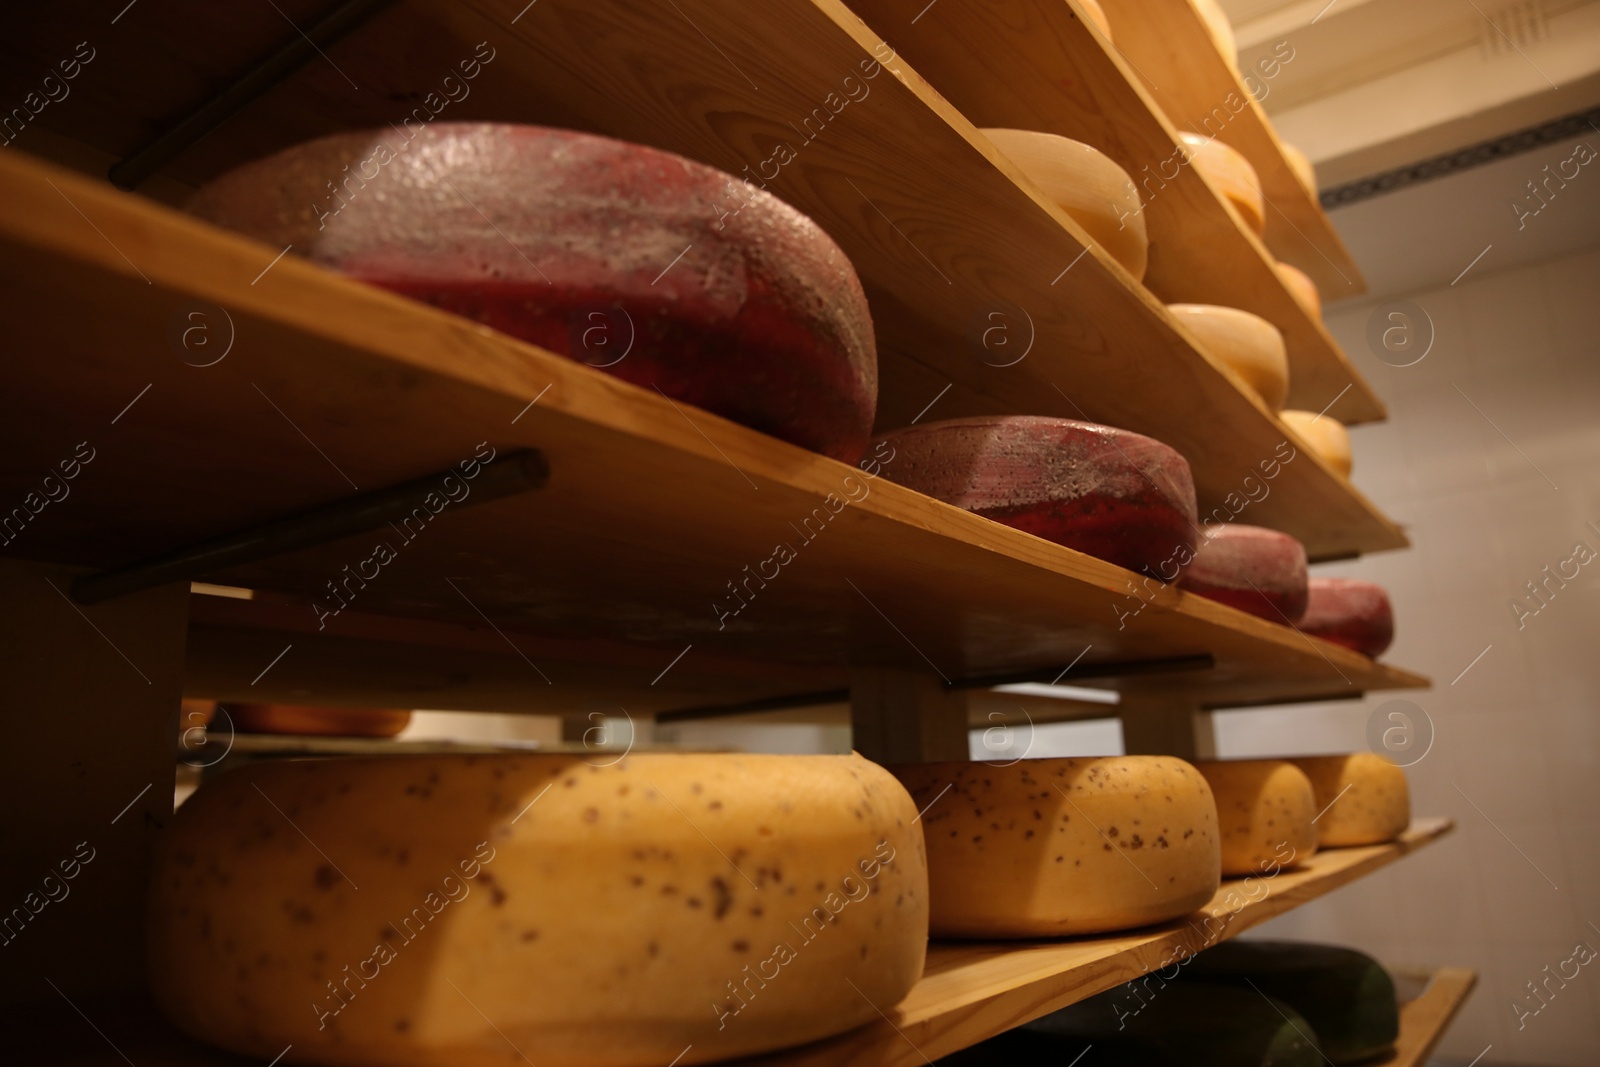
(1034, 64)
(969, 991)
(936, 223)
(1424, 1019)
(972, 991)
(1187, 76)
(651, 511)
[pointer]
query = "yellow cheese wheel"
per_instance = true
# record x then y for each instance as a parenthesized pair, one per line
(1048, 847)
(1081, 181)
(1326, 436)
(1264, 813)
(1303, 170)
(1246, 344)
(1363, 798)
(1231, 174)
(1097, 15)
(1221, 30)
(1302, 288)
(537, 907)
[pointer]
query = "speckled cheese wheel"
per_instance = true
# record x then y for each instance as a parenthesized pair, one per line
(1047, 847)
(543, 907)
(1250, 568)
(1231, 174)
(1246, 344)
(1084, 183)
(1120, 496)
(1325, 436)
(1365, 797)
(1264, 813)
(1349, 612)
(1301, 287)
(648, 266)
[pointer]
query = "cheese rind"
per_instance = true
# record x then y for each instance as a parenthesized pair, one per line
(1251, 568)
(1232, 175)
(1303, 169)
(1325, 436)
(573, 912)
(1116, 495)
(1097, 15)
(1264, 813)
(1364, 799)
(1349, 612)
(1302, 288)
(1084, 183)
(1048, 847)
(1246, 344)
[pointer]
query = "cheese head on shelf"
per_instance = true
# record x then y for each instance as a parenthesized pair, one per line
(466, 911)
(1325, 436)
(1048, 847)
(1302, 288)
(1232, 175)
(1349, 612)
(1081, 181)
(1246, 344)
(1363, 798)
(1264, 813)
(1251, 568)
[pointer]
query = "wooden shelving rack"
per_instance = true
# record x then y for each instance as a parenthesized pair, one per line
(597, 590)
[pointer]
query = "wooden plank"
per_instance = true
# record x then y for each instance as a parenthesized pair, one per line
(1035, 65)
(84, 818)
(900, 716)
(1424, 1020)
(934, 220)
(653, 526)
(1168, 42)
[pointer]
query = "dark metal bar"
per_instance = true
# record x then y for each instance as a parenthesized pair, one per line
(1168, 665)
(783, 703)
(300, 49)
(503, 477)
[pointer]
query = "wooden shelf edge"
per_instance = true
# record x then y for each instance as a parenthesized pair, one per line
(972, 991)
(1423, 1021)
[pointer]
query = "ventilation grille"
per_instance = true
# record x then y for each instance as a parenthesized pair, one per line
(1511, 27)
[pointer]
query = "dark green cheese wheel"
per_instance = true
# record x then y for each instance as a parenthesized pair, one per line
(1346, 996)
(1187, 1023)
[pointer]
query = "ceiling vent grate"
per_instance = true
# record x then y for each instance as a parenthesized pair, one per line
(1511, 27)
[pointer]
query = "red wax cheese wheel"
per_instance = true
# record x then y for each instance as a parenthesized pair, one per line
(1117, 495)
(1250, 568)
(649, 266)
(1351, 613)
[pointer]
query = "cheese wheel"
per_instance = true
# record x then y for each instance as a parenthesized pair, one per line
(1363, 798)
(1304, 172)
(1220, 29)
(1349, 612)
(1046, 847)
(1251, 568)
(1246, 344)
(537, 908)
(1301, 287)
(643, 264)
(1264, 813)
(1117, 495)
(317, 722)
(1325, 436)
(1097, 15)
(1231, 174)
(1081, 181)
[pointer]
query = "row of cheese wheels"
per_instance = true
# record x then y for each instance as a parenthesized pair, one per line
(470, 910)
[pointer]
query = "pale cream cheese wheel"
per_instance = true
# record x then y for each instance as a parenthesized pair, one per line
(1325, 436)
(1264, 813)
(1246, 344)
(1046, 847)
(1301, 287)
(1363, 798)
(1088, 186)
(547, 907)
(1232, 175)
(1302, 167)
(1097, 15)
(1221, 30)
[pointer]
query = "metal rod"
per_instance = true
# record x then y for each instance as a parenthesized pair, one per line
(1167, 665)
(518, 472)
(783, 703)
(301, 48)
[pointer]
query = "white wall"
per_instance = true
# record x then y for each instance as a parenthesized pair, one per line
(1516, 754)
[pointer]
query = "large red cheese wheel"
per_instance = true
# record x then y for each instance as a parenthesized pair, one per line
(1251, 568)
(1117, 495)
(1351, 613)
(652, 267)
